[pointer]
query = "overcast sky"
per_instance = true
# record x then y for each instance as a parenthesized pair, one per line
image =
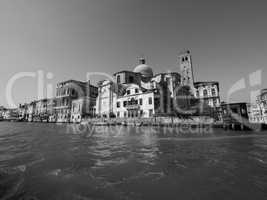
(227, 39)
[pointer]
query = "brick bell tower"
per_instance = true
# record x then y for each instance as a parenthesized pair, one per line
(186, 68)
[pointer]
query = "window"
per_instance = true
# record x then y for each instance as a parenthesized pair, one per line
(213, 92)
(125, 114)
(118, 114)
(128, 92)
(140, 101)
(205, 93)
(118, 104)
(131, 79)
(214, 102)
(150, 112)
(118, 79)
(136, 90)
(141, 113)
(197, 93)
(150, 100)
(124, 103)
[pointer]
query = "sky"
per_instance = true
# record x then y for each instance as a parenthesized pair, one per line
(69, 38)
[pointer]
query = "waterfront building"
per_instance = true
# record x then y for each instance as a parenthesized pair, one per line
(107, 96)
(136, 102)
(50, 111)
(140, 93)
(262, 102)
(206, 92)
(31, 111)
(130, 94)
(2, 112)
(22, 110)
(258, 110)
(67, 92)
(40, 112)
(11, 114)
(137, 93)
(82, 108)
(255, 113)
(235, 113)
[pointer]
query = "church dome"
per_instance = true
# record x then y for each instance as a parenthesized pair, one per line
(143, 69)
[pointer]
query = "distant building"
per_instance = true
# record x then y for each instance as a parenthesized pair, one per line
(130, 94)
(50, 111)
(235, 113)
(11, 114)
(40, 112)
(67, 92)
(207, 92)
(22, 110)
(82, 108)
(258, 110)
(135, 102)
(137, 93)
(140, 93)
(31, 111)
(2, 112)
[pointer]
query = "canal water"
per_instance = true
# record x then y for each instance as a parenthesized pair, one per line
(61, 161)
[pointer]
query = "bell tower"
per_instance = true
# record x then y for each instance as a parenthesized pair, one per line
(186, 68)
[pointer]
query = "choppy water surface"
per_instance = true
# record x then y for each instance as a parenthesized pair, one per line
(51, 161)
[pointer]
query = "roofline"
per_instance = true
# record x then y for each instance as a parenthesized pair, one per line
(125, 71)
(76, 81)
(167, 73)
(206, 82)
(234, 103)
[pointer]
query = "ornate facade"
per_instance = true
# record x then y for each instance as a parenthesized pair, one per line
(140, 93)
(208, 92)
(258, 110)
(70, 94)
(137, 93)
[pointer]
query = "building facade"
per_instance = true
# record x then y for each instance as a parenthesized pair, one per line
(208, 92)
(129, 94)
(258, 110)
(138, 93)
(69, 91)
(235, 113)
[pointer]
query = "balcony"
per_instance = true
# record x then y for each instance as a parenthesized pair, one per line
(132, 107)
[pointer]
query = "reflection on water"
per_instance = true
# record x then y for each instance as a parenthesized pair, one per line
(51, 161)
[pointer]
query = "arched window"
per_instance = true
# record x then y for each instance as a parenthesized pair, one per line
(197, 93)
(213, 92)
(205, 93)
